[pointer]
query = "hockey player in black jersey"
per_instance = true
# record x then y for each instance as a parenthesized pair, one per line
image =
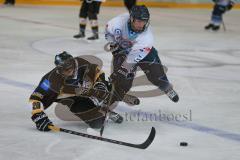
(69, 75)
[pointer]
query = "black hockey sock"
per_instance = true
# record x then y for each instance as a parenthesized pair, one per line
(95, 30)
(82, 28)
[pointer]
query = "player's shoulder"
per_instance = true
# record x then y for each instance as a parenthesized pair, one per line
(49, 79)
(81, 61)
(119, 20)
(146, 36)
(147, 32)
(52, 76)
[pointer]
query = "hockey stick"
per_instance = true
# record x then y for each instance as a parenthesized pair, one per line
(143, 145)
(107, 111)
(224, 27)
(105, 122)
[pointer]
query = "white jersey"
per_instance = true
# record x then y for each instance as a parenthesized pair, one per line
(138, 45)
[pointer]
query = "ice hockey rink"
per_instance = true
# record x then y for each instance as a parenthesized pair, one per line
(202, 65)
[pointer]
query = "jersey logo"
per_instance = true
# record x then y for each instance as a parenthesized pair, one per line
(147, 50)
(118, 32)
(45, 85)
(138, 58)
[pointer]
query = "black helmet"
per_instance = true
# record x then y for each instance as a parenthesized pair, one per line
(62, 57)
(64, 61)
(141, 13)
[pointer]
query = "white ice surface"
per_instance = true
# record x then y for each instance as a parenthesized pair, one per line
(203, 66)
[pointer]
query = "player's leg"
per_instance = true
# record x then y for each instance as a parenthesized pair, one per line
(210, 25)
(216, 18)
(121, 83)
(9, 2)
(83, 20)
(118, 59)
(154, 70)
(89, 112)
(101, 100)
(12, 2)
(85, 109)
(93, 11)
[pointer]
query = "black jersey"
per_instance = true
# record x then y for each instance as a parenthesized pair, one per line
(53, 83)
(48, 89)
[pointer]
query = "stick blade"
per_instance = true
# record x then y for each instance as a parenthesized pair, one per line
(148, 141)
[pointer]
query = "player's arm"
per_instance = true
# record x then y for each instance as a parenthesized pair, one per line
(113, 29)
(123, 76)
(138, 52)
(113, 35)
(41, 98)
(109, 32)
(39, 117)
(92, 75)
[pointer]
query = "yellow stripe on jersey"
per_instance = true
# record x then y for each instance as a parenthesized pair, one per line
(36, 111)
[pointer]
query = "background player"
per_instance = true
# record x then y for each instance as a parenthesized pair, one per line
(89, 9)
(9, 2)
(129, 4)
(220, 7)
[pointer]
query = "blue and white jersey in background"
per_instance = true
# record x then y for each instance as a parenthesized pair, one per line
(224, 2)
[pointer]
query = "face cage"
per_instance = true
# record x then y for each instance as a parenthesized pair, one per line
(144, 28)
(60, 69)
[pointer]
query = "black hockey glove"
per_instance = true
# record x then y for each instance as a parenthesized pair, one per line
(113, 46)
(116, 49)
(41, 120)
(100, 91)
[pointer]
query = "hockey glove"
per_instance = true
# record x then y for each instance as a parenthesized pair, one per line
(113, 46)
(117, 49)
(100, 91)
(41, 120)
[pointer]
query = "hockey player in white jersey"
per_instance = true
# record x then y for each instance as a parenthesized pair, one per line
(220, 7)
(131, 43)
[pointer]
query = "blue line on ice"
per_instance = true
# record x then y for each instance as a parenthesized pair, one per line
(16, 83)
(193, 126)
